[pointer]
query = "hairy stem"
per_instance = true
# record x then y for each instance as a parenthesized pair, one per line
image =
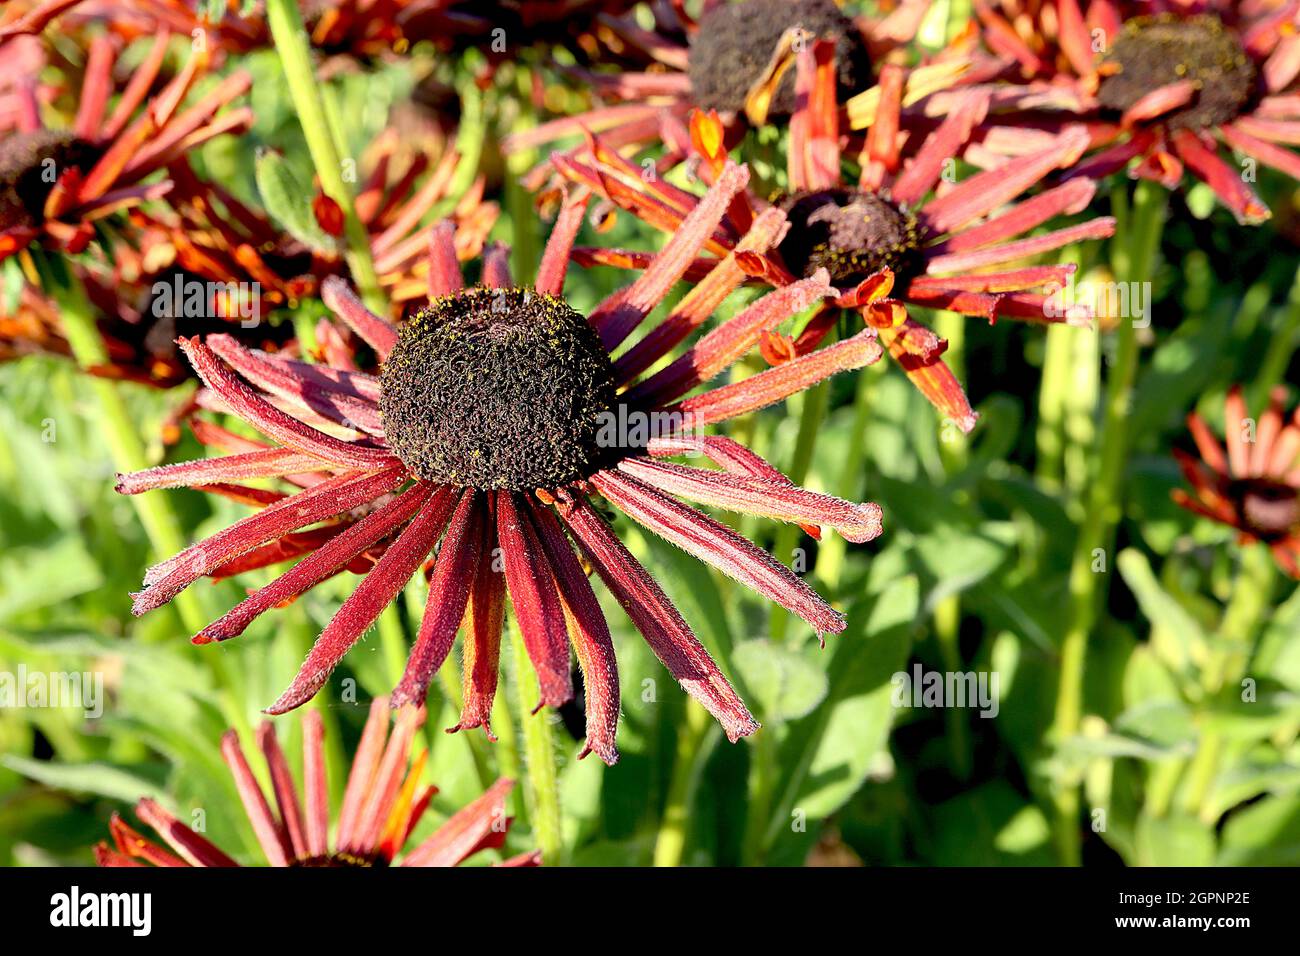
(295, 56)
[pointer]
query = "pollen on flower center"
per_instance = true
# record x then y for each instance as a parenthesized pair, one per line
(30, 164)
(735, 42)
(349, 860)
(1157, 51)
(849, 233)
(497, 389)
(1269, 509)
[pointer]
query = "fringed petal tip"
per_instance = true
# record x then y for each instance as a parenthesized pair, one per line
(552, 698)
(744, 726)
(299, 692)
(468, 725)
(607, 752)
(871, 526)
(836, 624)
(141, 603)
(405, 694)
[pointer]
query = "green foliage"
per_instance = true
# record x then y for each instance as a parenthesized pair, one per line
(1187, 753)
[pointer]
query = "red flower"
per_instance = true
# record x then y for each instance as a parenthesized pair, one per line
(734, 61)
(1255, 487)
(214, 236)
(493, 438)
(1161, 86)
(892, 237)
(56, 183)
(382, 805)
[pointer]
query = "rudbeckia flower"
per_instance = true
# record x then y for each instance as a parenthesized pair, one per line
(215, 237)
(734, 61)
(56, 183)
(499, 417)
(362, 31)
(891, 238)
(1255, 486)
(382, 805)
(1164, 88)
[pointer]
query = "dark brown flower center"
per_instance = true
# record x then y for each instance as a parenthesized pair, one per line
(497, 389)
(1270, 510)
(30, 165)
(340, 860)
(1157, 51)
(735, 42)
(849, 233)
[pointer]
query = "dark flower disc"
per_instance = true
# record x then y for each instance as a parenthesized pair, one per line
(849, 233)
(497, 389)
(1157, 51)
(340, 860)
(30, 164)
(1270, 510)
(735, 42)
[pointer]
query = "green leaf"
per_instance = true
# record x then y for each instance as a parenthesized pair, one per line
(785, 684)
(1278, 656)
(1266, 833)
(831, 752)
(1176, 840)
(38, 578)
(13, 284)
(100, 779)
(991, 825)
(288, 200)
(1176, 636)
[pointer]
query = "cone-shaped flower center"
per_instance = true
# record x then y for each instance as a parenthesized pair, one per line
(1269, 509)
(30, 165)
(340, 860)
(497, 389)
(1158, 51)
(735, 43)
(849, 233)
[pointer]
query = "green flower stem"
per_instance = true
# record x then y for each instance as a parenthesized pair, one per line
(953, 449)
(811, 417)
(1134, 261)
(160, 523)
(392, 642)
(506, 749)
(475, 742)
(688, 764)
(833, 550)
(295, 55)
(525, 250)
(128, 450)
(543, 786)
(1281, 346)
(471, 133)
(1252, 593)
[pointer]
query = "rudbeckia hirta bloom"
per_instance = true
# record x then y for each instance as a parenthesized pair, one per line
(888, 238)
(496, 421)
(215, 237)
(733, 61)
(1164, 87)
(383, 803)
(55, 184)
(1255, 486)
